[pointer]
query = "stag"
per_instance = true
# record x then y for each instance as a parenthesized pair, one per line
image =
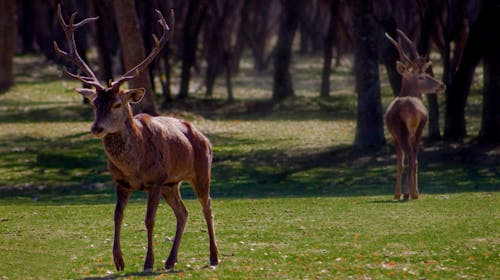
(406, 115)
(151, 154)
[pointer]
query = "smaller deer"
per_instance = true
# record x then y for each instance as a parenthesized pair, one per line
(406, 116)
(151, 154)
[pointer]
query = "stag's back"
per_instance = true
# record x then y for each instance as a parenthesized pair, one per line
(175, 145)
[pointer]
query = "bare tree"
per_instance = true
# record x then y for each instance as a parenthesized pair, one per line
(369, 125)
(220, 26)
(482, 43)
(8, 40)
(133, 50)
(192, 25)
(328, 47)
(289, 21)
(258, 21)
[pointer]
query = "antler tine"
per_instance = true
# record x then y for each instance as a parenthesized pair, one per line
(402, 53)
(410, 42)
(72, 54)
(158, 45)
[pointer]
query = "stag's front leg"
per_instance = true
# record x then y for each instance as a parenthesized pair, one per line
(173, 198)
(153, 200)
(122, 196)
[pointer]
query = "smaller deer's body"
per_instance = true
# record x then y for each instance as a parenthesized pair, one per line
(152, 154)
(406, 116)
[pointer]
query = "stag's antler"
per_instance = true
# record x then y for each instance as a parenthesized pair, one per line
(69, 30)
(134, 72)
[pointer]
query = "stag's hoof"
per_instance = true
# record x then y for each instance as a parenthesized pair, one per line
(147, 271)
(119, 264)
(169, 265)
(214, 262)
(406, 196)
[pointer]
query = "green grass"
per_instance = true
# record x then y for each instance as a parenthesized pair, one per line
(292, 200)
(269, 238)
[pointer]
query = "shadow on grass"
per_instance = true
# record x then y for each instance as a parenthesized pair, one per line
(133, 275)
(51, 112)
(339, 171)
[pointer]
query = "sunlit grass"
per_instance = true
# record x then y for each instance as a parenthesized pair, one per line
(291, 199)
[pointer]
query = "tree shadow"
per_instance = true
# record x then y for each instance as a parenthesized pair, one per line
(75, 172)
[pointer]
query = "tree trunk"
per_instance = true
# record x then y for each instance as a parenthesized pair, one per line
(457, 92)
(490, 121)
(8, 40)
(328, 50)
(26, 25)
(133, 51)
(289, 20)
(427, 15)
(195, 15)
(104, 54)
(369, 126)
(389, 55)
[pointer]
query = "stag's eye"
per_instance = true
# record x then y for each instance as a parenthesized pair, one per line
(117, 105)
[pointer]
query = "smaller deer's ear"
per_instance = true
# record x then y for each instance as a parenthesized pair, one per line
(135, 95)
(87, 93)
(401, 67)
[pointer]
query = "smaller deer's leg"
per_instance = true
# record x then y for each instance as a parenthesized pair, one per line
(410, 177)
(122, 196)
(418, 137)
(153, 200)
(173, 198)
(400, 157)
(414, 187)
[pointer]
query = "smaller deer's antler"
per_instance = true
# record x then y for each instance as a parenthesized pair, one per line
(72, 55)
(402, 53)
(417, 62)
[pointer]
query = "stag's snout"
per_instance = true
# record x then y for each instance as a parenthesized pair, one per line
(97, 130)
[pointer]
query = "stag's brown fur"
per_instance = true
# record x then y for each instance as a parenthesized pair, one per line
(152, 154)
(155, 154)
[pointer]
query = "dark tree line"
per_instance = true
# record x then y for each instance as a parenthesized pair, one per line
(211, 36)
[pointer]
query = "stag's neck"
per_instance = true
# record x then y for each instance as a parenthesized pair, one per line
(118, 145)
(409, 89)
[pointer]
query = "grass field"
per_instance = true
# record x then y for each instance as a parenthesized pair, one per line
(292, 200)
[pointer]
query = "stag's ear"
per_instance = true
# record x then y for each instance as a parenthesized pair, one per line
(135, 95)
(87, 93)
(401, 67)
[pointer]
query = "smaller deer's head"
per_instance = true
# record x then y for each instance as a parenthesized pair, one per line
(419, 81)
(111, 104)
(416, 79)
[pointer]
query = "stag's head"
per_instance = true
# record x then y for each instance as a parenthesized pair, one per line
(110, 102)
(414, 69)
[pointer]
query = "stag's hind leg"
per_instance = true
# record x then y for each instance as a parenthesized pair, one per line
(202, 189)
(173, 198)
